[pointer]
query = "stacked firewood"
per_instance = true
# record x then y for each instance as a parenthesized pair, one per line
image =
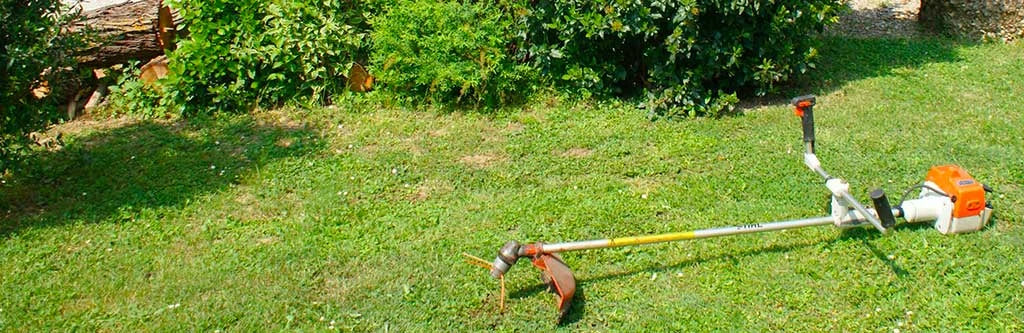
(131, 31)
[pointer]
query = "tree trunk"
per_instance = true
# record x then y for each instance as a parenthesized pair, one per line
(132, 30)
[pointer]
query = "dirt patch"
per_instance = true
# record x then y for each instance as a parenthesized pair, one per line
(268, 240)
(429, 189)
(413, 144)
(284, 142)
(644, 186)
(515, 127)
(279, 118)
(577, 153)
(879, 18)
(80, 126)
(438, 133)
(248, 206)
(78, 305)
(422, 193)
(481, 161)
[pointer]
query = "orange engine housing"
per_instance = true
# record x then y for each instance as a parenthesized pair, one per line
(968, 195)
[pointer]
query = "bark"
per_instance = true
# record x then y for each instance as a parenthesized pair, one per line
(132, 30)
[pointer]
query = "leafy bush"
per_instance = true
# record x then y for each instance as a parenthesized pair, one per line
(35, 46)
(131, 95)
(246, 52)
(448, 52)
(691, 56)
(688, 57)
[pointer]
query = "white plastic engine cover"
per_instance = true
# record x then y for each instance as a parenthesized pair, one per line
(932, 206)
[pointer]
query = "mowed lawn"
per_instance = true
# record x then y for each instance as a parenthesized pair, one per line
(354, 218)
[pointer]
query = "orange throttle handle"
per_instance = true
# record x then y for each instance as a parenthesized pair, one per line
(805, 110)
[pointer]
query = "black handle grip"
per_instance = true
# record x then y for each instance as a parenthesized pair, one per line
(883, 208)
(805, 109)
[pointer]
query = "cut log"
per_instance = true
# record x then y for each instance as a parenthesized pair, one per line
(154, 70)
(169, 27)
(133, 30)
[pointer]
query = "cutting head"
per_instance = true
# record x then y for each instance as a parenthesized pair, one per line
(559, 279)
(554, 272)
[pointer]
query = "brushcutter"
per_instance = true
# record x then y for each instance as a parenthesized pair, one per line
(949, 197)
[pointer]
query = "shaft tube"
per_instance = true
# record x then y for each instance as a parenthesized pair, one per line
(687, 235)
(860, 208)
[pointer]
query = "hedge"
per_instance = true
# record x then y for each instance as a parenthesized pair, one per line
(684, 57)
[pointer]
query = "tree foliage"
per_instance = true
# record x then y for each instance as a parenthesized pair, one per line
(35, 47)
(247, 52)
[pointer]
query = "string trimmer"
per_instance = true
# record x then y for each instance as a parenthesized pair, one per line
(949, 197)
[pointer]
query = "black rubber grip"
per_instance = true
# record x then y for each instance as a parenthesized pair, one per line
(805, 104)
(882, 208)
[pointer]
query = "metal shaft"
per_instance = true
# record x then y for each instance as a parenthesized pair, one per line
(814, 164)
(860, 208)
(678, 236)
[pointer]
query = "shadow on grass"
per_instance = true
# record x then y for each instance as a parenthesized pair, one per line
(865, 236)
(111, 175)
(843, 60)
(578, 309)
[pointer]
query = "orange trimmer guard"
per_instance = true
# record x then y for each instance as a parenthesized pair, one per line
(559, 278)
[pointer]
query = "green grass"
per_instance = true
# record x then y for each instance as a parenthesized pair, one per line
(296, 219)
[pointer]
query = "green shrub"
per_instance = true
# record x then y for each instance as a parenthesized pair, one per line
(448, 52)
(684, 57)
(241, 53)
(690, 56)
(35, 46)
(130, 95)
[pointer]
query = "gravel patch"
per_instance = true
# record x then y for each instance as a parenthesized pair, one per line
(879, 18)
